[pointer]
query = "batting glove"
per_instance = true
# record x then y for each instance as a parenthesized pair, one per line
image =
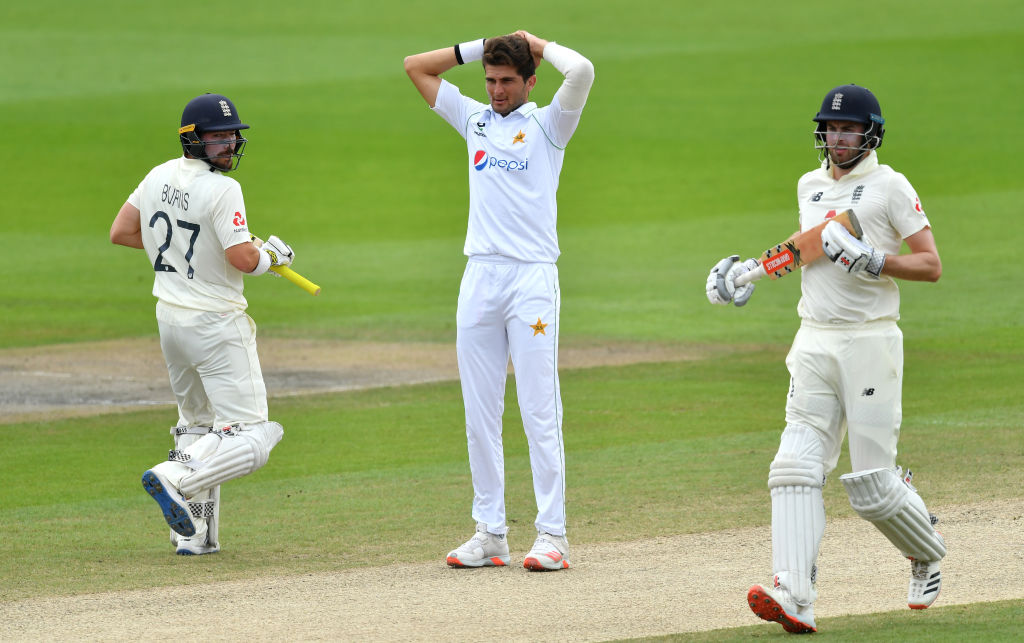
(850, 253)
(721, 285)
(281, 254)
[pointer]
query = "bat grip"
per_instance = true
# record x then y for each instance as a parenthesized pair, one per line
(297, 279)
(750, 275)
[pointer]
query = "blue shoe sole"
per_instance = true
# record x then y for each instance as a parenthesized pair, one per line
(178, 519)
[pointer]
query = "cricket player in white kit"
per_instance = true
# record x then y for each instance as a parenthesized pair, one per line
(846, 363)
(509, 297)
(190, 218)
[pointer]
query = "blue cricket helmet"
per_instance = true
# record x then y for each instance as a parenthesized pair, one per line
(852, 103)
(210, 113)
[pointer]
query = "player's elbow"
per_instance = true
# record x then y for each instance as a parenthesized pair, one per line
(585, 71)
(410, 65)
(118, 237)
(934, 268)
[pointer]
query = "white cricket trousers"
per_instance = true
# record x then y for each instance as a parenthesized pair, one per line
(213, 366)
(849, 377)
(507, 308)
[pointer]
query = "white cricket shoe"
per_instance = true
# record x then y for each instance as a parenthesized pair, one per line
(484, 549)
(172, 503)
(196, 544)
(776, 604)
(549, 553)
(925, 583)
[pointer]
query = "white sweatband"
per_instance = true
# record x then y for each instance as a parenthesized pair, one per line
(263, 265)
(469, 52)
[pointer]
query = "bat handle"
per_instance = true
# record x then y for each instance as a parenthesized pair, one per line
(297, 279)
(750, 275)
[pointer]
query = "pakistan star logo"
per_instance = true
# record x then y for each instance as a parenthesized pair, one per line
(519, 138)
(538, 327)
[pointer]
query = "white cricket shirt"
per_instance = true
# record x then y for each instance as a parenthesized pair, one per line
(513, 163)
(190, 215)
(888, 210)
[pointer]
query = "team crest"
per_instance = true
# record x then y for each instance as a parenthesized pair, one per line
(539, 327)
(519, 138)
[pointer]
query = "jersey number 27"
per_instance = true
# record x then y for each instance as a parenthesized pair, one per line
(159, 265)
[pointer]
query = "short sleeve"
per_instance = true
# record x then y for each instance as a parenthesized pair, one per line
(453, 107)
(561, 124)
(905, 211)
(229, 219)
(135, 198)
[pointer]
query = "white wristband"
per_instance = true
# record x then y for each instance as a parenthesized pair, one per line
(469, 52)
(263, 265)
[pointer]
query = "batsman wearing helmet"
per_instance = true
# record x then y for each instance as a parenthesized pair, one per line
(846, 363)
(190, 218)
(509, 297)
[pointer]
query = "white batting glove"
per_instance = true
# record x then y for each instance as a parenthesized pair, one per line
(281, 254)
(850, 253)
(721, 285)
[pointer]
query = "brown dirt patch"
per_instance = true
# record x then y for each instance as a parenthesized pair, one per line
(113, 376)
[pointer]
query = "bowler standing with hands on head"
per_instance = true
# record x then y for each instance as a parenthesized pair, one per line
(509, 296)
(190, 218)
(846, 363)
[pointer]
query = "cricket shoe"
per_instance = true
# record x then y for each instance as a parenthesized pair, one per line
(197, 544)
(777, 605)
(484, 549)
(549, 553)
(193, 546)
(172, 504)
(925, 583)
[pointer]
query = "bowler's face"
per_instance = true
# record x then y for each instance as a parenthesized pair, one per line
(506, 88)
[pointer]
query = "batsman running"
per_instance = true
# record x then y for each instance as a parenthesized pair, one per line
(846, 362)
(509, 297)
(190, 218)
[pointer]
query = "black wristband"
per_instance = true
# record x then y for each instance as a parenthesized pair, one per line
(458, 55)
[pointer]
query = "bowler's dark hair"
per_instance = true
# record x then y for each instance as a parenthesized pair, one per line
(510, 50)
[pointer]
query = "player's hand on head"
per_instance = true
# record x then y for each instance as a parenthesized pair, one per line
(850, 253)
(281, 254)
(536, 45)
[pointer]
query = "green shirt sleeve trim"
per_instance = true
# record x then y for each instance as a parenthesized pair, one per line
(556, 146)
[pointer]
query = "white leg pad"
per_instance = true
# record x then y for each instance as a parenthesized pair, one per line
(883, 498)
(796, 478)
(186, 435)
(229, 453)
(213, 520)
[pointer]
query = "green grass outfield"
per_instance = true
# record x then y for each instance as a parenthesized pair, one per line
(695, 133)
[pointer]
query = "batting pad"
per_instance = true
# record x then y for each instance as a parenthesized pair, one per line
(795, 478)
(185, 435)
(881, 497)
(230, 453)
(798, 525)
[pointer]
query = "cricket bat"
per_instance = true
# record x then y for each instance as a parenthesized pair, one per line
(298, 279)
(805, 247)
(290, 274)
